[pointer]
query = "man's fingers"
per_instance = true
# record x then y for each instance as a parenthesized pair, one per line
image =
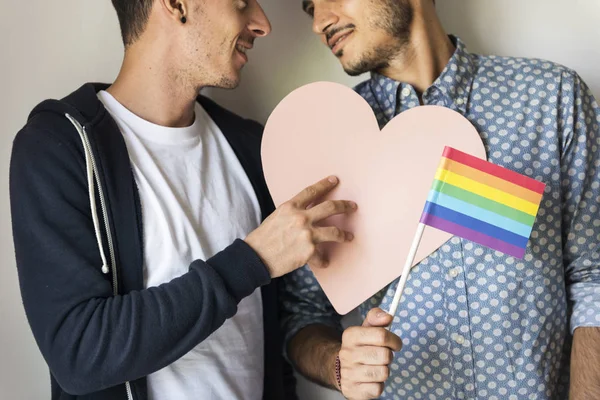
(367, 373)
(371, 390)
(313, 192)
(331, 234)
(368, 355)
(331, 207)
(371, 336)
(318, 260)
(377, 317)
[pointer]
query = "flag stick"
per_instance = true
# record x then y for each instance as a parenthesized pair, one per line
(407, 267)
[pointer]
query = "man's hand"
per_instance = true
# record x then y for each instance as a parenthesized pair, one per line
(365, 356)
(288, 239)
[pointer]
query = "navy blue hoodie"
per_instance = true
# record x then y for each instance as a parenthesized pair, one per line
(102, 333)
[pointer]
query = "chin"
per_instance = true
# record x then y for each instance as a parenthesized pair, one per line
(228, 81)
(351, 67)
(346, 59)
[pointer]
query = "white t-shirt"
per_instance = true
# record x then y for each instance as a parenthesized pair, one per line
(196, 200)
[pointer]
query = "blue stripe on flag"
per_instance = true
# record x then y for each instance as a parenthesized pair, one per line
(479, 213)
(475, 224)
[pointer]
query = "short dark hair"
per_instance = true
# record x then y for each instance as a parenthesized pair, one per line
(133, 16)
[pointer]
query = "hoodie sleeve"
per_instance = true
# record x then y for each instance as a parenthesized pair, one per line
(91, 339)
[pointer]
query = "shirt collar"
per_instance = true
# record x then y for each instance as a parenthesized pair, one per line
(451, 89)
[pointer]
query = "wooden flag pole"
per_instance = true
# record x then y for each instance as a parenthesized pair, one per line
(406, 270)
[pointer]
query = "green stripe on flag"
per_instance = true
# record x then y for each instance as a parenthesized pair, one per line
(476, 200)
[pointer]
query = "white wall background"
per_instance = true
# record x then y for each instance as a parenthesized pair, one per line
(47, 49)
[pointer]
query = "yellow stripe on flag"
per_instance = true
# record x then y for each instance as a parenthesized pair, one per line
(486, 191)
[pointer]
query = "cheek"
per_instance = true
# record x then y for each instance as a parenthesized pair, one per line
(359, 12)
(354, 8)
(358, 44)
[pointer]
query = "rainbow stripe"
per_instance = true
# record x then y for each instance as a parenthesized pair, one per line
(483, 203)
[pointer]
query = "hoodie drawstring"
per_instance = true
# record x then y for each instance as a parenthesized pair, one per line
(91, 173)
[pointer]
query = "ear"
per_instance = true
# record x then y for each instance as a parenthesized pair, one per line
(175, 9)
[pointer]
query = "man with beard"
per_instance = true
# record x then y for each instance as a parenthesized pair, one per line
(144, 268)
(475, 323)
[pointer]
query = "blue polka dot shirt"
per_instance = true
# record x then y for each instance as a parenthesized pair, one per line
(476, 323)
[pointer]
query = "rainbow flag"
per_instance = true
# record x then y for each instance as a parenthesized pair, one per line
(482, 202)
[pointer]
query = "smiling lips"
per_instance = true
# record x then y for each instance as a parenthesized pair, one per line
(337, 40)
(242, 48)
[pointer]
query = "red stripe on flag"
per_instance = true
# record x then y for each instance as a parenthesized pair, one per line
(495, 170)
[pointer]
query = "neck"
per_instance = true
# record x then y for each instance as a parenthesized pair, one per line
(151, 89)
(426, 54)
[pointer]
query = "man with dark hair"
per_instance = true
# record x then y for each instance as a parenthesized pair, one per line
(118, 195)
(475, 323)
(133, 16)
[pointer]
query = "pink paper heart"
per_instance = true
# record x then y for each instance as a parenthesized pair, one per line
(327, 129)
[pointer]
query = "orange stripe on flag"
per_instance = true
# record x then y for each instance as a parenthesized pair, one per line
(490, 180)
(492, 169)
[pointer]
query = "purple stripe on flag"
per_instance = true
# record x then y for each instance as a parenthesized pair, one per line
(474, 236)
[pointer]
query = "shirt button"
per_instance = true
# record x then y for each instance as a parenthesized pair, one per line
(405, 92)
(460, 339)
(454, 273)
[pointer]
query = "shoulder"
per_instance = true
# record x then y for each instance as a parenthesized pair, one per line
(48, 130)
(522, 71)
(53, 121)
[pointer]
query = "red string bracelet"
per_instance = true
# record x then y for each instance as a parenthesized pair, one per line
(338, 372)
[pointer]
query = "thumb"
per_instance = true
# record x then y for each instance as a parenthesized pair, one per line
(377, 318)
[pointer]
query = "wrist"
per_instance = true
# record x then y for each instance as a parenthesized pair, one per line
(250, 241)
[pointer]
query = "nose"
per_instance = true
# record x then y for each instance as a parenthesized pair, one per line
(323, 18)
(259, 23)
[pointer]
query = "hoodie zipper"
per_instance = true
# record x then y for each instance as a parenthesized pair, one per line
(113, 263)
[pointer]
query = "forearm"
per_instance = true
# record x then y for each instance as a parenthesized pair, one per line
(585, 364)
(313, 351)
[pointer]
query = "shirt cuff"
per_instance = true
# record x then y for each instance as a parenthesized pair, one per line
(241, 268)
(585, 300)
